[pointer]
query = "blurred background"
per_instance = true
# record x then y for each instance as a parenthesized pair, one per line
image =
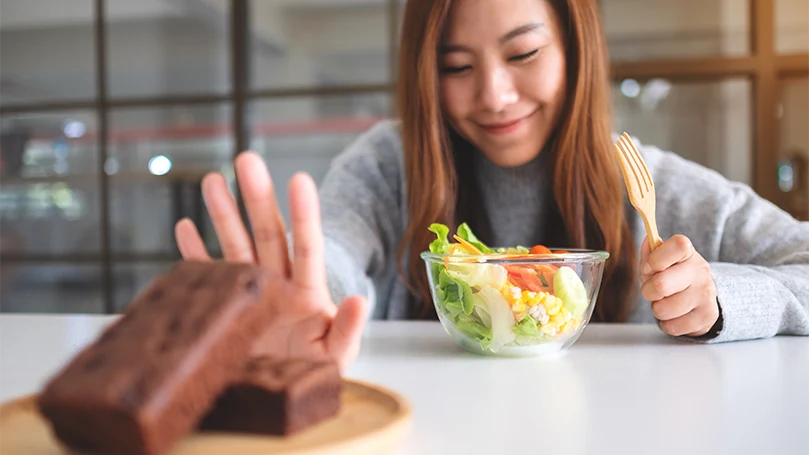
(111, 111)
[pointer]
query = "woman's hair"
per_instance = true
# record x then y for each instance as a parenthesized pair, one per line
(588, 209)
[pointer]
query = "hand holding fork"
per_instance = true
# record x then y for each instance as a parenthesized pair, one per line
(675, 278)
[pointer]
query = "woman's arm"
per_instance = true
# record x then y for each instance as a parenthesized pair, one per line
(758, 254)
(362, 212)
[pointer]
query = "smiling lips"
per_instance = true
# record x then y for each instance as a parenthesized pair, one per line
(504, 127)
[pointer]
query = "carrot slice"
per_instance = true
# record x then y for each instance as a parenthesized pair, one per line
(471, 248)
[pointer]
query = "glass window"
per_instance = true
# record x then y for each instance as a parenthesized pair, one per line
(308, 44)
(47, 51)
(157, 159)
(793, 175)
(131, 279)
(662, 29)
(167, 48)
(705, 122)
(791, 26)
(49, 197)
(304, 134)
(50, 288)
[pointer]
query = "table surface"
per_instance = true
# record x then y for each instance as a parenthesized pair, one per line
(624, 389)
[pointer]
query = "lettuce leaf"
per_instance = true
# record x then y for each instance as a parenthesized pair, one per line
(519, 249)
(456, 301)
(527, 328)
(478, 275)
(456, 294)
(440, 245)
(474, 329)
(489, 301)
(465, 232)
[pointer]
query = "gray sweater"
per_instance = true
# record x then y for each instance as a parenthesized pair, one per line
(759, 254)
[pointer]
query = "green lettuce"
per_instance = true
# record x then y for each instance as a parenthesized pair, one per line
(477, 275)
(517, 249)
(474, 329)
(441, 244)
(457, 295)
(527, 328)
(465, 232)
(455, 300)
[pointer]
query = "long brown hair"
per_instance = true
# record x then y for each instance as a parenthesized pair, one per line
(587, 200)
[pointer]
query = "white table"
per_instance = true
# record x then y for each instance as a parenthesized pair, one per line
(622, 389)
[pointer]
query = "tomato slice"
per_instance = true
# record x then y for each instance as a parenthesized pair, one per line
(539, 249)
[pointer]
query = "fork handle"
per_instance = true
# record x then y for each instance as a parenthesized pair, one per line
(651, 232)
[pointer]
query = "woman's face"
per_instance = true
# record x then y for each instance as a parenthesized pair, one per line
(502, 65)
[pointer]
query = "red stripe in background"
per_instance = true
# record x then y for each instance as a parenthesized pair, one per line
(338, 125)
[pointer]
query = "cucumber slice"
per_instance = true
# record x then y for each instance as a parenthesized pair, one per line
(568, 286)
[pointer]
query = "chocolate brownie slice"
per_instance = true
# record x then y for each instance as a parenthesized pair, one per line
(154, 373)
(278, 397)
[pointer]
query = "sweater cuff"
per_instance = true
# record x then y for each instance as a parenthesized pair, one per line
(745, 300)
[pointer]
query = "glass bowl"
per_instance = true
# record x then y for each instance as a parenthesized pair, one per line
(515, 305)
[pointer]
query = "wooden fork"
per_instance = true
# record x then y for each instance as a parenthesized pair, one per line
(639, 186)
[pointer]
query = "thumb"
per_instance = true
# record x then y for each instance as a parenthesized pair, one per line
(345, 333)
(645, 251)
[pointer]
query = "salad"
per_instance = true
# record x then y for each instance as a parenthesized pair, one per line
(504, 304)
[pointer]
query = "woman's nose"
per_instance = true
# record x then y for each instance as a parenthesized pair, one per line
(497, 90)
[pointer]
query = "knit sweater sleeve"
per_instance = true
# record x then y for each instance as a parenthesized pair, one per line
(362, 212)
(759, 254)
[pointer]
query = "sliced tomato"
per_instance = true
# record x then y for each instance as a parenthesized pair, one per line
(539, 249)
(524, 277)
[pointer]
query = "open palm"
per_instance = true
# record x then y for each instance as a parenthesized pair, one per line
(306, 322)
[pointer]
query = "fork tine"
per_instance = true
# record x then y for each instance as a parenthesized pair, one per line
(647, 177)
(630, 163)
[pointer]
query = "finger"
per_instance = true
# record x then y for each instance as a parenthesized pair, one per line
(674, 306)
(269, 233)
(233, 237)
(189, 241)
(345, 335)
(645, 270)
(696, 322)
(668, 282)
(308, 267)
(675, 250)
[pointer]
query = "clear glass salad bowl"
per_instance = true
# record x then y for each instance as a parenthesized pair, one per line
(511, 302)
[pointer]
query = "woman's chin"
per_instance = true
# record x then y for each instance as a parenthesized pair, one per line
(511, 158)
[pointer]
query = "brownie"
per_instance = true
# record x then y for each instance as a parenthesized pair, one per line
(277, 397)
(149, 378)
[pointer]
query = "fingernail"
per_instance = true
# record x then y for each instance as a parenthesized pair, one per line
(647, 269)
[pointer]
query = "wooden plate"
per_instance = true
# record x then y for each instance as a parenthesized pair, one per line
(372, 420)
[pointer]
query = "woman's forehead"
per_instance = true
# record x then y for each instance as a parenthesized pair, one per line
(496, 20)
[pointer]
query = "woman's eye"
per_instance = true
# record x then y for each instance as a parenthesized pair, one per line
(455, 69)
(525, 56)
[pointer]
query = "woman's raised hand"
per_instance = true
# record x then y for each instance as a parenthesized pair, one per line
(306, 322)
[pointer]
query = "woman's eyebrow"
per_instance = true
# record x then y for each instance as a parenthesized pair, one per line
(521, 30)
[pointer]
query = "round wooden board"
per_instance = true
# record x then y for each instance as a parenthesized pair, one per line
(372, 420)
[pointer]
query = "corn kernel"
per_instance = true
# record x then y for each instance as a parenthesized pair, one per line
(566, 314)
(568, 326)
(518, 307)
(549, 329)
(553, 305)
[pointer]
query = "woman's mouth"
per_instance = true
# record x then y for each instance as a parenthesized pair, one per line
(506, 127)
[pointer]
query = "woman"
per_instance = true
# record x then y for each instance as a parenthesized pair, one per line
(504, 123)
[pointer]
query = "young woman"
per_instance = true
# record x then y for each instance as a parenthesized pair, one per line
(504, 123)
